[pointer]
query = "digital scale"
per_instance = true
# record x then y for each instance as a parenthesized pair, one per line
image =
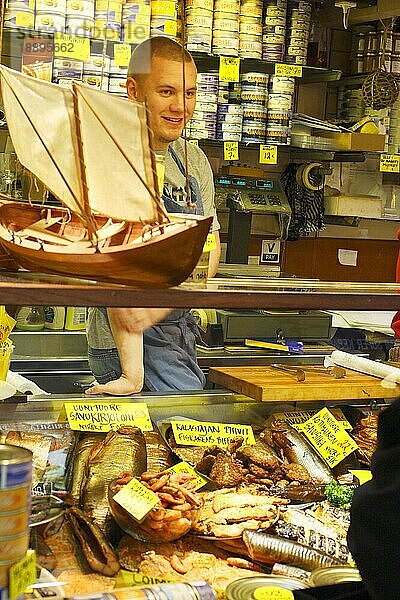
(245, 196)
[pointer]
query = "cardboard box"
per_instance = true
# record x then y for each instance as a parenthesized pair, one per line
(369, 207)
(371, 142)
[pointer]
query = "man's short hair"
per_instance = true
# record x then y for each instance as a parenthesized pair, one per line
(142, 56)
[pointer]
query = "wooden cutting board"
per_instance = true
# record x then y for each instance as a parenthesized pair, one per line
(267, 384)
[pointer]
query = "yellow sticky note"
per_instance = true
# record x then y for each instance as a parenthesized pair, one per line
(268, 155)
(204, 433)
(296, 418)
(231, 151)
(390, 163)
(194, 142)
(22, 574)
(131, 578)
(122, 54)
(328, 437)
(184, 467)
(210, 244)
(272, 592)
(229, 68)
(165, 8)
(288, 70)
(71, 46)
(363, 475)
(170, 27)
(95, 415)
(137, 499)
(23, 19)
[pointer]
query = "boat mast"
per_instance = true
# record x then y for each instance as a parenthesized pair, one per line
(162, 215)
(2, 13)
(189, 202)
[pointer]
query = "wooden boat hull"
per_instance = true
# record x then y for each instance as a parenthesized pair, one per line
(164, 261)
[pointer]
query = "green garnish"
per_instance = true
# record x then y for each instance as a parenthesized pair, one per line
(340, 495)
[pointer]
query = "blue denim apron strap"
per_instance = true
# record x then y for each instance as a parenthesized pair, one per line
(171, 205)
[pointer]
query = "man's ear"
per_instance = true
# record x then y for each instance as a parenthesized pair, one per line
(131, 87)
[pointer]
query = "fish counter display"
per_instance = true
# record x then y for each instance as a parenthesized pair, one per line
(127, 507)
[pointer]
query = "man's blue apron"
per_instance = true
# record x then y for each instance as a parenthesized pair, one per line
(169, 347)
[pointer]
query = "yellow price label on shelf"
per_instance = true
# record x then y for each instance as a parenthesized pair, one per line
(328, 437)
(122, 54)
(231, 150)
(210, 243)
(23, 19)
(363, 475)
(22, 574)
(268, 155)
(271, 592)
(194, 142)
(184, 467)
(196, 433)
(170, 27)
(135, 33)
(296, 418)
(229, 68)
(131, 578)
(390, 163)
(166, 8)
(107, 416)
(288, 70)
(137, 499)
(71, 46)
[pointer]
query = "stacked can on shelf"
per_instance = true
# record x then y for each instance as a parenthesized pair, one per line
(80, 17)
(164, 17)
(117, 82)
(297, 31)
(280, 106)
(136, 15)
(203, 122)
(50, 15)
(225, 38)
(19, 14)
(15, 497)
(274, 30)
(66, 70)
(254, 101)
(107, 19)
(351, 105)
(229, 122)
(198, 23)
(96, 71)
(250, 29)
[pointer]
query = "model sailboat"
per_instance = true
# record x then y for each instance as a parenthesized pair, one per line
(93, 152)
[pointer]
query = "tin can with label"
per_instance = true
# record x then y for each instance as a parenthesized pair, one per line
(254, 78)
(228, 136)
(281, 85)
(235, 109)
(50, 22)
(250, 48)
(204, 115)
(199, 18)
(281, 118)
(280, 102)
(245, 588)
(210, 77)
(19, 19)
(15, 467)
(80, 26)
(20, 5)
(54, 6)
(117, 85)
(226, 6)
(277, 135)
(198, 590)
(254, 94)
(208, 4)
(109, 30)
(334, 575)
(254, 113)
(82, 8)
(96, 80)
(225, 43)
(97, 64)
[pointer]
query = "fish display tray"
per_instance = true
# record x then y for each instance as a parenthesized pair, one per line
(267, 384)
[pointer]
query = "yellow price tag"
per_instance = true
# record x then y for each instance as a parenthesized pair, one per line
(328, 437)
(390, 163)
(272, 592)
(210, 244)
(296, 418)
(122, 54)
(288, 70)
(167, 8)
(363, 475)
(106, 416)
(231, 151)
(71, 46)
(268, 155)
(135, 33)
(184, 467)
(194, 142)
(170, 27)
(137, 499)
(196, 433)
(229, 68)
(25, 20)
(22, 574)
(131, 578)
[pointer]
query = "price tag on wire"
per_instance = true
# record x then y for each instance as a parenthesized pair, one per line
(122, 54)
(390, 163)
(71, 46)
(268, 155)
(229, 68)
(231, 151)
(288, 70)
(194, 142)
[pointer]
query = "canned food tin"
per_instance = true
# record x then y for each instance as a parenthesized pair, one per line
(334, 575)
(110, 16)
(21, 19)
(199, 20)
(254, 78)
(251, 10)
(276, 11)
(274, 47)
(250, 28)
(225, 25)
(295, 60)
(278, 135)
(277, 3)
(53, 6)
(271, 56)
(272, 38)
(206, 106)
(207, 4)
(50, 22)
(198, 590)
(15, 467)
(279, 117)
(280, 101)
(109, 5)
(243, 589)
(230, 118)
(204, 115)
(226, 6)
(198, 46)
(117, 70)
(274, 30)
(275, 21)
(281, 85)
(227, 46)
(234, 109)
(229, 127)
(167, 27)
(83, 8)
(117, 85)
(207, 97)
(228, 136)
(96, 64)
(202, 124)
(80, 26)
(255, 95)
(14, 522)
(207, 88)
(109, 31)
(96, 80)
(210, 77)
(20, 5)
(16, 498)
(202, 134)
(14, 547)
(253, 113)
(250, 49)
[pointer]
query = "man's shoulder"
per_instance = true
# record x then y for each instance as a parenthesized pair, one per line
(195, 154)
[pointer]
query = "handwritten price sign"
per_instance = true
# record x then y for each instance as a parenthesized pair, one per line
(268, 155)
(229, 68)
(122, 54)
(231, 151)
(22, 574)
(272, 593)
(288, 70)
(71, 46)
(390, 163)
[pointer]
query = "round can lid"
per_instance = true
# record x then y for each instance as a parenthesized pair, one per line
(333, 575)
(11, 455)
(246, 588)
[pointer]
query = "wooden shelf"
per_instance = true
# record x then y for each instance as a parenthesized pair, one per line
(25, 288)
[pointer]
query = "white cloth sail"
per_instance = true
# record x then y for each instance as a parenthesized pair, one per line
(114, 134)
(31, 104)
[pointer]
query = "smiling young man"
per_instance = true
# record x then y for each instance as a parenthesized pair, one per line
(163, 75)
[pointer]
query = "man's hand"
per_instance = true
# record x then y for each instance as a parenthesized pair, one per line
(394, 352)
(119, 387)
(136, 320)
